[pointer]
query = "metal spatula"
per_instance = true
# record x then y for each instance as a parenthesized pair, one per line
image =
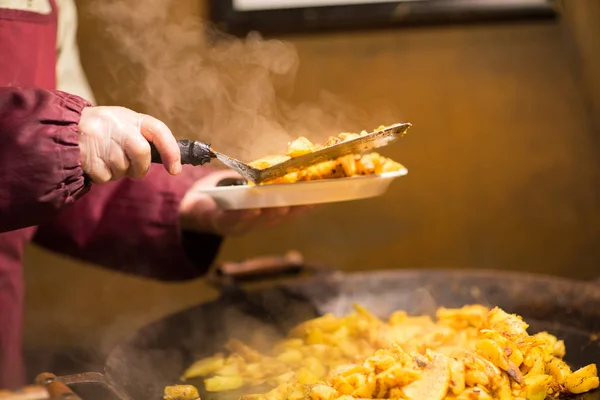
(198, 153)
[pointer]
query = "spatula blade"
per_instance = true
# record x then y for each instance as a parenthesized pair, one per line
(246, 171)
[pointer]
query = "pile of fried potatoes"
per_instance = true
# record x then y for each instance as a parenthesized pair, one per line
(343, 167)
(468, 353)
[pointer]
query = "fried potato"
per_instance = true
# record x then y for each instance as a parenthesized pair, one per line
(583, 380)
(223, 383)
(492, 351)
(268, 161)
(299, 147)
(434, 382)
(343, 167)
(181, 392)
(204, 367)
(468, 353)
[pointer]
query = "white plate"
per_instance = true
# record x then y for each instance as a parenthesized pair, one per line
(302, 193)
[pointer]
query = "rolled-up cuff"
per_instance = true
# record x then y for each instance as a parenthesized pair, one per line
(41, 154)
(75, 184)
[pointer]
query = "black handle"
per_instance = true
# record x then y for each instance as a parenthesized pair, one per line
(230, 274)
(192, 153)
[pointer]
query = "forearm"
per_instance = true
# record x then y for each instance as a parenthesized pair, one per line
(41, 170)
(133, 226)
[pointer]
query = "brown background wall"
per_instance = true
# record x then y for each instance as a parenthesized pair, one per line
(503, 170)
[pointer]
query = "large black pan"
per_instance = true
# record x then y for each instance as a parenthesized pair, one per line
(157, 355)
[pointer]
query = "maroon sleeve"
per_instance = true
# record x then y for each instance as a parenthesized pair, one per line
(40, 169)
(133, 226)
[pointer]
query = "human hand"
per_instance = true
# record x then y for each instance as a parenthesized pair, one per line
(114, 142)
(200, 213)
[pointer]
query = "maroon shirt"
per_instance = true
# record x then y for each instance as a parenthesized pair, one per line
(129, 225)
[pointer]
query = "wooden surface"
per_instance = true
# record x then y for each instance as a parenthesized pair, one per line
(503, 169)
(582, 28)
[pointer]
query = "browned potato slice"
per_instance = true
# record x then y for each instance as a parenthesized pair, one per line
(492, 351)
(348, 136)
(583, 380)
(348, 165)
(434, 383)
(223, 383)
(268, 161)
(181, 392)
(300, 147)
(537, 386)
(204, 367)
(331, 141)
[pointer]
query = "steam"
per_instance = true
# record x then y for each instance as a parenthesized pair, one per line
(205, 85)
(213, 87)
(383, 302)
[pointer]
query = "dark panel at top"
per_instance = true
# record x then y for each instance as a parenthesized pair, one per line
(302, 16)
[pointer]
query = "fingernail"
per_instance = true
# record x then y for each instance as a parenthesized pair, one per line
(176, 168)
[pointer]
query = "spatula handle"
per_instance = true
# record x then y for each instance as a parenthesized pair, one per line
(192, 152)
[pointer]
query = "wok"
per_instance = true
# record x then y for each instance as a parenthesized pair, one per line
(157, 355)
